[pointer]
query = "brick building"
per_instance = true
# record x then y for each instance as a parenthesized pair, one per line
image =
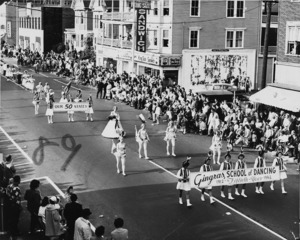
(285, 91)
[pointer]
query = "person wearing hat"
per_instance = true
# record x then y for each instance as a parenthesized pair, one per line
(143, 139)
(119, 150)
(226, 165)
(183, 184)
(216, 146)
(53, 226)
(49, 111)
(240, 164)
(89, 112)
(278, 161)
(206, 167)
(259, 163)
(36, 102)
(171, 137)
(83, 229)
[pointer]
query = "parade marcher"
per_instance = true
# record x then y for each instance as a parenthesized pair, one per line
(40, 90)
(240, 164)
(143, 139)
(70, 112)
(119, 150)
(89, 112)
(259, 162)
(113, 128)
(171, 137)
(278, 161)
(206, 167)
(227, 165)
(14, 205)
(36, 102)
(49, 111)
(183, 184)
(216, 146)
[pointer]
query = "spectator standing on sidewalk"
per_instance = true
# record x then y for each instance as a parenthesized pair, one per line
(119, 233)
(83, 229)
(99, 232)
(33, 197)
(14, 205)
(72, 212)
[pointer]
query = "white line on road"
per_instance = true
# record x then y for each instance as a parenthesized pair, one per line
(43, 75)
(227, 206)
(66, 84)
(17, 146)
(21, 164)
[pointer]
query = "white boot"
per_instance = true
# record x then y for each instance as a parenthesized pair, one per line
(261, 190)
(202, 198)
(272, 186)
(188, 203)
(222, 194)
(283, 191)
(256, 190)
(212, 200)
(180, 201)
(243, 193)
(230, 196)
(237, 192)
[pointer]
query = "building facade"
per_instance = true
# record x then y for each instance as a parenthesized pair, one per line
(41, 28)
(288, 54)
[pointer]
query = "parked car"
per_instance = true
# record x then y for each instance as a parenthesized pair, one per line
(219, 91)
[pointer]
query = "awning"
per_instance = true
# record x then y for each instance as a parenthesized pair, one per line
(278, 97)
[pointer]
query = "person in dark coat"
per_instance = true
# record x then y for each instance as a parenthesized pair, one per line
(33, 197)
(72, 211)
(100, 86)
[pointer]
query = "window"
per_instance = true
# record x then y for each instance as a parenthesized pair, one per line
(81, 18)
(165, 38)
(155, 8)
(100, 26)
(21, 22)
(39, 23)
(234, 38)
(194, 38)
(29, 22)
(235, 8)
(81, 42)
(195, 8)
(155, 38)
(166, 8)
(293, 38)
(96, 21)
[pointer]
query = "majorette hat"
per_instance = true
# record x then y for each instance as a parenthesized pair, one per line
(227, 155)
(241, 155)
(279, 152)
(142, 118)
(186, 163)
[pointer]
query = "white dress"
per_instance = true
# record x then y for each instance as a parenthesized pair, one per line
(183, 184)
(114, 124)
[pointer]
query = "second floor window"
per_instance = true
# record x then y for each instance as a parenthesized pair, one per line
(155, 8)
(234, 39)
(293, 38)
(235, 8)
(194, 38)
(166, 9)
(195, 8)
(165, 39)
(81, 18)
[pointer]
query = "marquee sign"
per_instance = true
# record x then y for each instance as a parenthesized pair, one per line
(141, 35)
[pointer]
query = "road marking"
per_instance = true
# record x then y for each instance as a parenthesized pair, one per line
(43, 75)
(21, 164)
(17, 146)
(227, 206)
(66, 84)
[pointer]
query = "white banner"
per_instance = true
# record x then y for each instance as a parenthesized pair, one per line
(233, 177)
(70, 106)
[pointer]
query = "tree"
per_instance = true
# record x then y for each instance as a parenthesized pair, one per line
(88, 52)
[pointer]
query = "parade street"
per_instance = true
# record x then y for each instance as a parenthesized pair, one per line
(75, 154)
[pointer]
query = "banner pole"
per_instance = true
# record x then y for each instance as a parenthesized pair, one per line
(2, 232)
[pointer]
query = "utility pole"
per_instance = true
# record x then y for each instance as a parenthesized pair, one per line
(266, 43)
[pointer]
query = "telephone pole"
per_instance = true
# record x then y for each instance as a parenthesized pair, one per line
(266, 43)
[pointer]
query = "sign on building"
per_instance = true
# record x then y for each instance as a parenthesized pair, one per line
(141, 35)
(8, 29)
(143, 4)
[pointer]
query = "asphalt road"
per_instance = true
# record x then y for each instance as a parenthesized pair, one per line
(146, 198)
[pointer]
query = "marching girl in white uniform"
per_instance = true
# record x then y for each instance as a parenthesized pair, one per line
(70, 112)
(216, 146)
(259, 162)
(171, 137)
(49, 111)
(278, 161)
(142, 138)
(183, 184)
(240, 164)
(119, 151)
(89, 112)
(36, 102)
(206, 167)
(226, 165)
